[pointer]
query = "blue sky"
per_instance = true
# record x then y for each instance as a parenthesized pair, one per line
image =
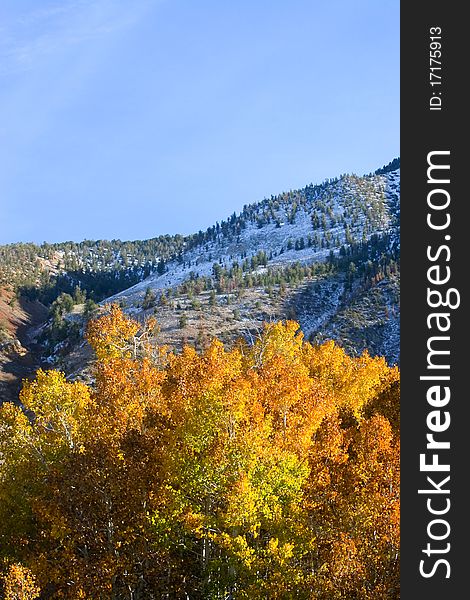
(129, 120)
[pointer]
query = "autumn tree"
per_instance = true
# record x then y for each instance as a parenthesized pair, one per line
(267, 470)
(19, 584)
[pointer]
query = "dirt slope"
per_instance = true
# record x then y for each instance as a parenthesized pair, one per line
(18, 358)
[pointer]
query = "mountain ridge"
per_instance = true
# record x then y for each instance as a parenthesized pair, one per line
(321, 219)
(326, 255)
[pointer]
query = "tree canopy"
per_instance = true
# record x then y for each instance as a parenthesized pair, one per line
(268, 470)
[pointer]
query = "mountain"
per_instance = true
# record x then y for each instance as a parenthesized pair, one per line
(326, 255)
(304, 226)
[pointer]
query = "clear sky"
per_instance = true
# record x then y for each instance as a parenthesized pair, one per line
(134, 118)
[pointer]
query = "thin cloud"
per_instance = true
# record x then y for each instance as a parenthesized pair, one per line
(33, 36)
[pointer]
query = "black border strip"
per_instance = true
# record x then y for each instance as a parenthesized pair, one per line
(423, 131)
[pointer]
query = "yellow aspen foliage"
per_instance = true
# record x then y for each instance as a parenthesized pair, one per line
(19, 584)
(112, 335)
(262, 471)
(59, 407)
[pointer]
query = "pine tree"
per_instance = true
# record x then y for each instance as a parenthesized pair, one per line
(150, 299)
(212, 298)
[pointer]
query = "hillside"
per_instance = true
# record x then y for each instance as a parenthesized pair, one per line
(17, 318)
(305, 226)
(106, 267)
(326, 255)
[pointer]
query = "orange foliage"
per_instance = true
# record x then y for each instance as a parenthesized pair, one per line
(263, 471)
(19, 584)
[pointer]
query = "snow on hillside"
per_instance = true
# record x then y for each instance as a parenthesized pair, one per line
(304, 226)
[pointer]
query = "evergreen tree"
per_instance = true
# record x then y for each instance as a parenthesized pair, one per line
(212, 298)
(150, 299)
